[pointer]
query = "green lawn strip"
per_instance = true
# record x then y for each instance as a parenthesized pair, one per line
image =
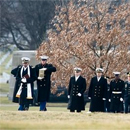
(61, 119)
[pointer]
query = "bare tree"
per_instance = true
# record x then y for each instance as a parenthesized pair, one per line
(24, 22)
(89, 34)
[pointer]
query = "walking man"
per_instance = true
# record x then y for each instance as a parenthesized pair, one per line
(97, 92)
(43, 72)
(76, 88)
(116, 94)
(25, 76)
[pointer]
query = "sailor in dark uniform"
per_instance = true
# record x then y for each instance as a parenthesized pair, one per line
(43, 72)
(127, 94)
(116, 94)
(76, 88)
(24, 84)
(97, 92)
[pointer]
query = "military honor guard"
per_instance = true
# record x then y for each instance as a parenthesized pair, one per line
(76, 89)
(127, 94)
(97, 92)
(116, 94)
(43, 72)
(23, 91)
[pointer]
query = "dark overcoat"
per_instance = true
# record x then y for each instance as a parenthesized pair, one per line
(16, 87)
(97, 91)
(44, 85)
(23, 97)
(116, 86)
(75, 87)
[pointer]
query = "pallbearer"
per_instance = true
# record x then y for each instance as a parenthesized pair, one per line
(76, 88)
(24, 83)
(43, 72)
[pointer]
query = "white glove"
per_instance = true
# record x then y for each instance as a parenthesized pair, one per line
(44, 68)
(79, 94)
(121, 99)
(109, 100)
(24, 80)
(104, 99)
(40, 78)
(89, 97)
(68, 96)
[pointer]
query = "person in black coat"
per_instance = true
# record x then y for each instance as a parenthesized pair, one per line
(127, 94)
(76, 89)
(97, 92)
(24, 84)
(14, 73)
(116, 94)
(43, 72)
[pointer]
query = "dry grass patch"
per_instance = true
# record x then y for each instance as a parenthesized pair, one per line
(58, 120)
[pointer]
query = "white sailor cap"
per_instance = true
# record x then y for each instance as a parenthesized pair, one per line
(116, 73)
(77, 69)
(25, 59)
(99, 70)
(44, 57)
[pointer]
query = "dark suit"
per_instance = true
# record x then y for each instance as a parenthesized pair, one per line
(97, 91)
(44, 85)
(116, 92)
(75, 87)
(127, 96)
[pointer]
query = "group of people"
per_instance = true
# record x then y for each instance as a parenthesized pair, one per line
(113, 97)
(24, 86)
(104, 97)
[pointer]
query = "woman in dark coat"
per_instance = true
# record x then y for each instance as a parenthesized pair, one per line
(44, 83)
(76, 89)
(97, 92)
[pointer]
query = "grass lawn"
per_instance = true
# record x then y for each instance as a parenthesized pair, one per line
(59, 118)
